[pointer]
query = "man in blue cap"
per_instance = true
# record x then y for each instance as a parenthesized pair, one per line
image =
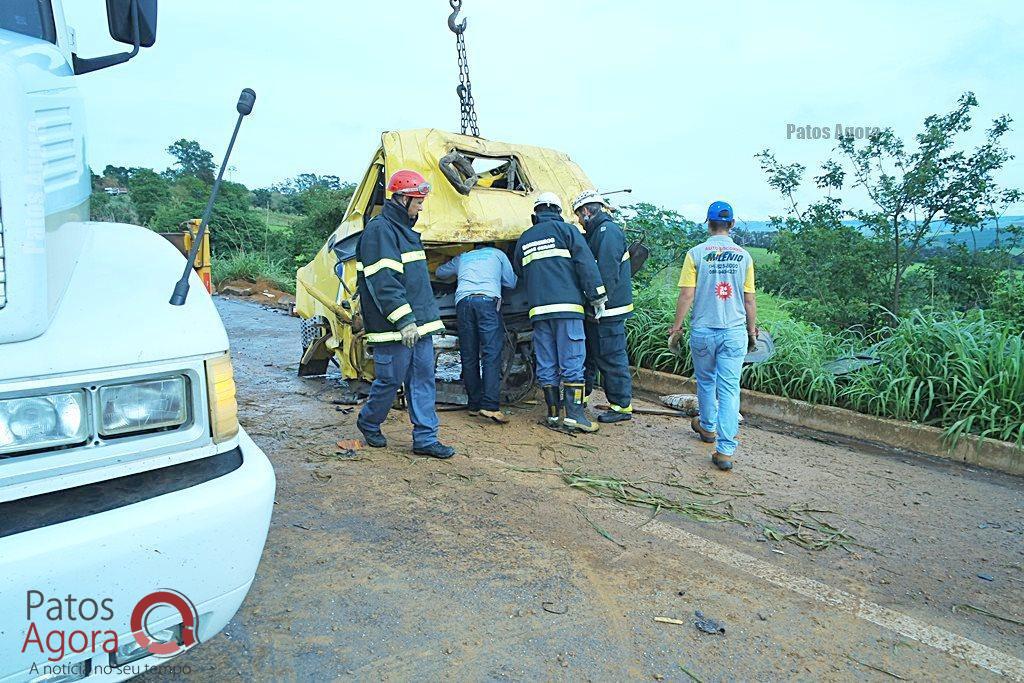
(717, 281)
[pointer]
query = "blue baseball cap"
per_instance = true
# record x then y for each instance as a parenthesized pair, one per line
(720, 211)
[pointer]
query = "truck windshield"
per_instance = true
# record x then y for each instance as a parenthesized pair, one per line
(29, 17)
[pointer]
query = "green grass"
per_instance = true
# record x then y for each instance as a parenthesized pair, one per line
(961, 373)
(252, 266)
(762, 257)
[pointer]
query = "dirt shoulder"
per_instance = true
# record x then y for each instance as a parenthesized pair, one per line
(497, 564)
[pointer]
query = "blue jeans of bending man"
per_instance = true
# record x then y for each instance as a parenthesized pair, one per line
(481, 339)
(395, 365)
(560, 349)
(717, 362)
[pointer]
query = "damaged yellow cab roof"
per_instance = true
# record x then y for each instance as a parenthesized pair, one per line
(486, 214)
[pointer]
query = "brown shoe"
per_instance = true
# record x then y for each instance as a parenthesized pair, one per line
(705, 435)
(496, 415)
(722, 462)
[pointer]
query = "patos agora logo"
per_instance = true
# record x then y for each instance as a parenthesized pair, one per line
(93, 619)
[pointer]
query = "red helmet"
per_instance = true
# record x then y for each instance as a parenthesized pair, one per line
(408, 183)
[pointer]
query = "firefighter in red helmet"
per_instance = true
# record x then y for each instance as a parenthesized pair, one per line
(399, 315)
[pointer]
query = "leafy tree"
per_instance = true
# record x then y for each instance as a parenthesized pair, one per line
(828, 268)
(192, 160)
(324, 210)
(262, 197)
(913, 190)
(665, 232)
(148, 191)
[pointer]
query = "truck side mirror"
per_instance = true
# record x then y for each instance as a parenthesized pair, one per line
(121, 22)
(130, 21)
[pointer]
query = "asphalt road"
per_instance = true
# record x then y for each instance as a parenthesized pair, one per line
(502, 564)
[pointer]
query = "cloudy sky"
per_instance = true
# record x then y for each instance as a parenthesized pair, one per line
(668, 98)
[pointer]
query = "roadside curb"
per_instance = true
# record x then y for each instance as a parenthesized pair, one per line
(971, 450)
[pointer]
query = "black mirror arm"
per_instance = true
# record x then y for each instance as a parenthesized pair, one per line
(84, 65)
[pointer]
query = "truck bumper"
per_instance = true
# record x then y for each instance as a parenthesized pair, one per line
(203, 541)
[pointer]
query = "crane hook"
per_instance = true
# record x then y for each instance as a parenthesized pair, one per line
(460, 27)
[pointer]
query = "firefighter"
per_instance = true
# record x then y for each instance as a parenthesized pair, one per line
(561, 277)
(399, 315)
(606, 336)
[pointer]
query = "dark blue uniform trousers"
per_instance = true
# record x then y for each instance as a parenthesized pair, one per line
(560, 349)
(395, 365)
(606, 353)
(481, 339)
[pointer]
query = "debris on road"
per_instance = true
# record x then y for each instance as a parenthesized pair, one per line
(599, 530)
(708, 625)
(808, 531)
(877, 668)
(553, 609)
(669, 620)
(981, 610)
(986, 577)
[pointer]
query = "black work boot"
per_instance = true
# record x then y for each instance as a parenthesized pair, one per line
(435, 450)
(610, 416)
(575, 415)
(554, 403)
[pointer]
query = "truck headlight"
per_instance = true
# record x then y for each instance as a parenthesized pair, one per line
(143, 406)
(220, 384)
(38, 422)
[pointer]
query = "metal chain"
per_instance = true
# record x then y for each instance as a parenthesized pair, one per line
(465, 88)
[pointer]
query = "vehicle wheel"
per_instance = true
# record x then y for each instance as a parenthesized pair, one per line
(313, 330)
(517, 380)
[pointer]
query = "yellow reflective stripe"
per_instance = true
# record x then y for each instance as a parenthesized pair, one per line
(410, 256)
(546, 253)
(376, 337)
(609, 312)
(625, 257)
(383, 263)
(400, 312)
(556, 308)
(620, 409)
(601, 289)
(425, 328)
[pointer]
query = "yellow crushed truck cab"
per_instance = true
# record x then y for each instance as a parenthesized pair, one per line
(482, 192)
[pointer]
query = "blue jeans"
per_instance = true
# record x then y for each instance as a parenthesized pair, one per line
(717, 362)
(393, 366)
(481, 339)
(560, 349)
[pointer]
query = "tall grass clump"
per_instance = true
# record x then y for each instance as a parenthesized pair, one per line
(961, 373)
(251, 266)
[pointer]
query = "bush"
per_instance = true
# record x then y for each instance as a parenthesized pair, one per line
(1008, 301)
(252, 266)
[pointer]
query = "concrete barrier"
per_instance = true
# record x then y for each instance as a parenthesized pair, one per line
(972, 450)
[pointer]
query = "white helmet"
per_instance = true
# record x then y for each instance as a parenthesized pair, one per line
(547, 198)
(588, 197)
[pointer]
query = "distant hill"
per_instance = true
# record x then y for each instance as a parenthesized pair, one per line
(981, 238)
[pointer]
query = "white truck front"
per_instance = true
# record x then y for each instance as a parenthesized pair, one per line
(133, 509)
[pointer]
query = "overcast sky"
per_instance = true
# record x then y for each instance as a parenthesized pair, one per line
(671, 99)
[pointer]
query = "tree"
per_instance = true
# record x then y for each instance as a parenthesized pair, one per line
(192, 160)
(324, 211)
(913, 191)
(665, 232)
(262, 197)
(148, 191)
(826, 267)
